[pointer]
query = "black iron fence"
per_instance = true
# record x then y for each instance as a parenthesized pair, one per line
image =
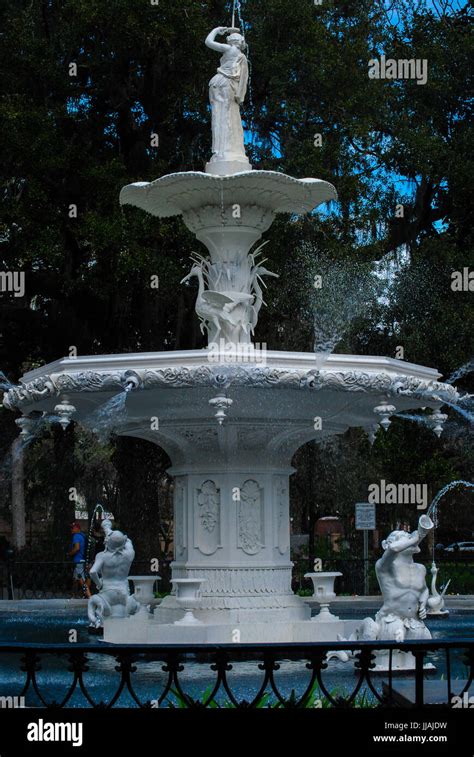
(84, 666)
(459, 570)
(48, 580)
(54, 580)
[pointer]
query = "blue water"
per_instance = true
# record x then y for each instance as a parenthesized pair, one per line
(245, 678)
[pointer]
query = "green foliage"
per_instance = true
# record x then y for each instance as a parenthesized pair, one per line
(315, 699)
(461, 575)
(142, 69)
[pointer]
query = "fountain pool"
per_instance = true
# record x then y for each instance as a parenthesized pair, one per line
(245, 678)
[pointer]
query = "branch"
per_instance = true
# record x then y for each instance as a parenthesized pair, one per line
(361, 151)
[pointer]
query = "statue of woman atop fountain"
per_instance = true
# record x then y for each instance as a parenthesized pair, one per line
(227, 90)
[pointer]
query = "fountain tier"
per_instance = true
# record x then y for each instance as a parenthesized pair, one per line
(232, 480)
(228, 214)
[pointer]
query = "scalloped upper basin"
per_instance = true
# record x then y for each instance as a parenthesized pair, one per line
(177, 193)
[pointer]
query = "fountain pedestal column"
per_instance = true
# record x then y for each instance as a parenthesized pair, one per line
(229, 230)
(232, 529)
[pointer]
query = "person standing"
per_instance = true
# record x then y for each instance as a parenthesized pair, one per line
(78, 555)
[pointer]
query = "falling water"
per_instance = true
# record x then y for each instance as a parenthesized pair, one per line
(5, 384)
(462, 371)
(91, 526)
(432, 511)
(347, 290)
(416, 418)
(324, 343)
(223, 220)
(108, 416)
(464, 413)
(37, 426)
(238, 7)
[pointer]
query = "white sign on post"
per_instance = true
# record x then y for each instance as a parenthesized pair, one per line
(365, 516)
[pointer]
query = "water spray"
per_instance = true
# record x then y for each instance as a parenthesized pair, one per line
(432, 511)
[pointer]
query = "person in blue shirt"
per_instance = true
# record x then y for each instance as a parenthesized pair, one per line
(78, 555)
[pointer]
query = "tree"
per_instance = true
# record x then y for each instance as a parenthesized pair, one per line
(97, 95)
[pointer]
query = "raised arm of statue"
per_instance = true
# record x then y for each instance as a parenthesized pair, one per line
(221, 47)
(107, 527)
(404, 542)
(392, 546)
(398, 541)
(128, 550)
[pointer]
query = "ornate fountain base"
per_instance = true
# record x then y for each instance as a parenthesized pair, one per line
(139, 629)
(237, 600)
(231, 529)
(231, 468)
(232, 535)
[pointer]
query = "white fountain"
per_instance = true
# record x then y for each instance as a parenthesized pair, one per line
(231, 416)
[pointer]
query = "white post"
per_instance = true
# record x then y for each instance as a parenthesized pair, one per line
(18, 495)
(366, 562)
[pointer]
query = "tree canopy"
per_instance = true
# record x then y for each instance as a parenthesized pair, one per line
(96, 95)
